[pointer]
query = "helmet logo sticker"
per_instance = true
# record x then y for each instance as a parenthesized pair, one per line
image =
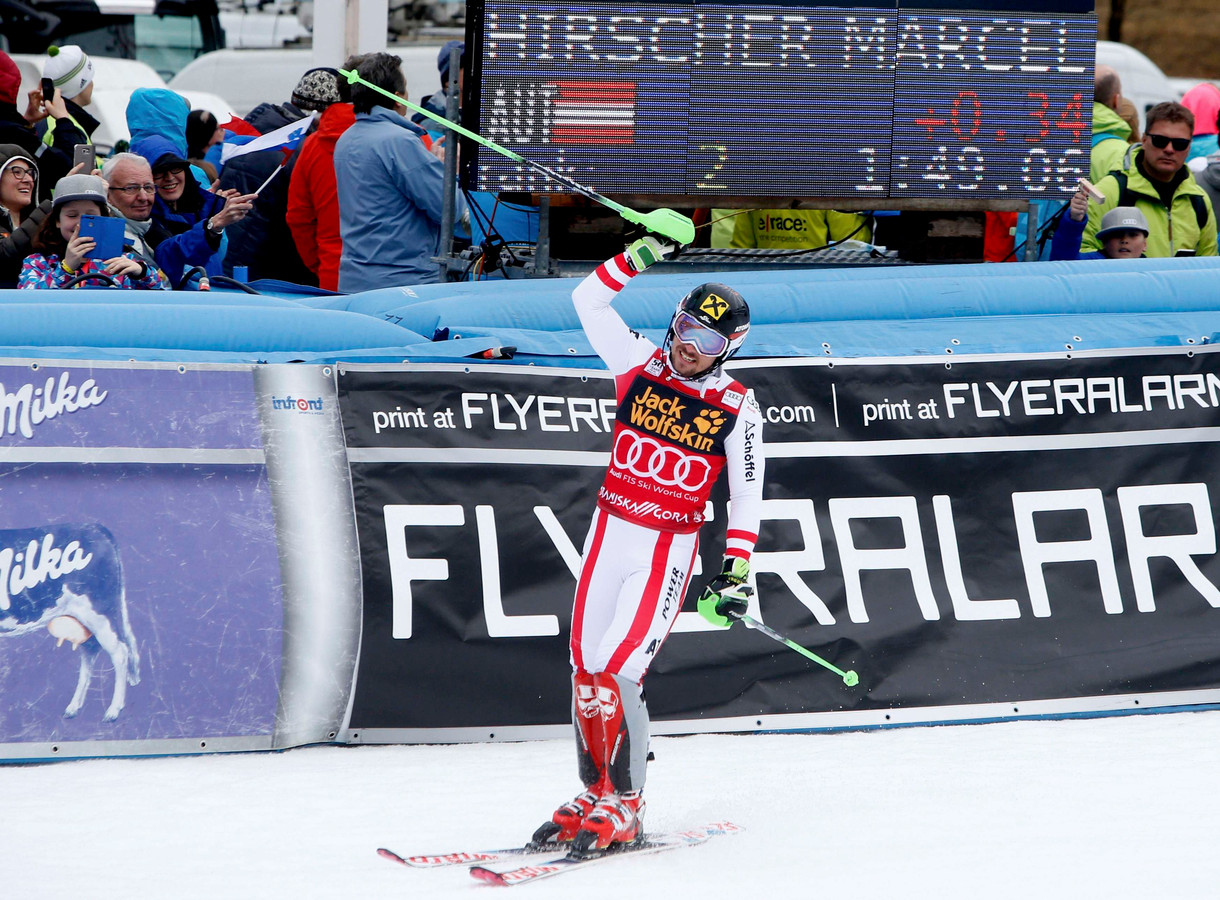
(714, 305)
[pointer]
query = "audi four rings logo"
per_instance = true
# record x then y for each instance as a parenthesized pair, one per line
(665, 465)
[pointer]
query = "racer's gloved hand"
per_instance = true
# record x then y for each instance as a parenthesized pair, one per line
(727, 596)
(646, 251)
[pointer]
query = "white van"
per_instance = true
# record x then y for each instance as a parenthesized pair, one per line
(246, 78)
(113, 82)
(1144, 84)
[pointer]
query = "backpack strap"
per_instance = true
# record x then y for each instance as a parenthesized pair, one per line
(1200, 209)
(1127, 198)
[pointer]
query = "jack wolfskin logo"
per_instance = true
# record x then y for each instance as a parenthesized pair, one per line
(709, 421)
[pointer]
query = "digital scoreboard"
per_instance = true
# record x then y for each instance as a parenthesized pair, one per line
(793, 99)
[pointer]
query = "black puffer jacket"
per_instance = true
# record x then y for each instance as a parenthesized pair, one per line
(262, 240)
(15, 242)
(54, 162)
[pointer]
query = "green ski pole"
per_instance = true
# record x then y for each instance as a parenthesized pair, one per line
(850, 678)
(664, 222)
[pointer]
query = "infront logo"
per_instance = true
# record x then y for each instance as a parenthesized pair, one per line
(714, 305)
(298, 404)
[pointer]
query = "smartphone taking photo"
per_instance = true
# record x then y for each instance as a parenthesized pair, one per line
(87, 154)
(48, 90)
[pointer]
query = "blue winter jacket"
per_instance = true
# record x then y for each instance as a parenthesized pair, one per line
(159, 112)
(391, 190)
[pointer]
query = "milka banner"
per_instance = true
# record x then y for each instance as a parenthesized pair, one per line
(977, 538)
(165, 585)
(138, 565)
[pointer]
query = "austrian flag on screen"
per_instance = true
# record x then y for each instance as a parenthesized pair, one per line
(592, 112)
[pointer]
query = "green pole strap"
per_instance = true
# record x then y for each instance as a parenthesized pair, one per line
(665, 222)
(850, 678)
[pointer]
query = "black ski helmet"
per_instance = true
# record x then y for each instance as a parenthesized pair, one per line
(717, 307)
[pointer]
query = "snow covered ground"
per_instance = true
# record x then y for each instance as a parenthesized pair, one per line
(1106, 808)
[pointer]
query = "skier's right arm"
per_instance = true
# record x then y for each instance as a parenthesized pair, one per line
(619, 347)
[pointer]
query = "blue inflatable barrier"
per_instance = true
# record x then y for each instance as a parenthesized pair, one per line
(890, 311)
(225, 329)
(147, 298)
(648, 301)
(946, 337)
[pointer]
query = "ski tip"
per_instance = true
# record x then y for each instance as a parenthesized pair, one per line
(487, 876)
(390, 855)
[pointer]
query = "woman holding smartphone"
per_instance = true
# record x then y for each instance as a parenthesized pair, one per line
(61, 252)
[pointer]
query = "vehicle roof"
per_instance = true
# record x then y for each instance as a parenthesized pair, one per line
(1144, 84)
(114, 80)
(246, 78)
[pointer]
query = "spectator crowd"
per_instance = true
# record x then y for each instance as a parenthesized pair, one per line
(336, 187)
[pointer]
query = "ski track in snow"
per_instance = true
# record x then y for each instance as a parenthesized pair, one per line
(1104, 808)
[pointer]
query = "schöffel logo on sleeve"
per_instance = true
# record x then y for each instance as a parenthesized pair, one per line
(298, 404)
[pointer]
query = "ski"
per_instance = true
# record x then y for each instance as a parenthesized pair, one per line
(466, 857)
(557, 865)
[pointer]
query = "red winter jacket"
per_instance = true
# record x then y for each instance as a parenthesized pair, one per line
(313, 199)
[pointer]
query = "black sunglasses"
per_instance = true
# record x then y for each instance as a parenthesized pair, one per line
(1161, 141)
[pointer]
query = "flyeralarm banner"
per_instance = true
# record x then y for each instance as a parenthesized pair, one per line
(976, 537)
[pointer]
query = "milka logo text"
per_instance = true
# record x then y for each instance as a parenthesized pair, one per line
(28, 406)
(40, 561)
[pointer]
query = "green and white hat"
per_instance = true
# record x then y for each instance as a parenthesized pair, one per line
(70, 68)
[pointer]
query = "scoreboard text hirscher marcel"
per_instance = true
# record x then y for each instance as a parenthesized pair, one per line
(803, 100)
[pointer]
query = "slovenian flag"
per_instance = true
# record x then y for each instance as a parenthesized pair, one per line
(287, 138)
(593, 112)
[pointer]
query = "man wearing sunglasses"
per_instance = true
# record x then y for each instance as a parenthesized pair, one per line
(1153, 178)
(681, 421)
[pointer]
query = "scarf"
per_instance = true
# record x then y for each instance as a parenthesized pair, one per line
(136, 231)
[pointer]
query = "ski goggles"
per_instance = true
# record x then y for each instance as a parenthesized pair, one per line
(708, 341)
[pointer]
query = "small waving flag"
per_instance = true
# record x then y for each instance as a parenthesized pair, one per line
(288, 138)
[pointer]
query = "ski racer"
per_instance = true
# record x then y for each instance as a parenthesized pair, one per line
(680, 421)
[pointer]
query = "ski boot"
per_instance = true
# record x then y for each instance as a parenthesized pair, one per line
(566, 821)
(615, 819)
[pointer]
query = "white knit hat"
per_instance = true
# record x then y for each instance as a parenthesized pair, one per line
(70, 68)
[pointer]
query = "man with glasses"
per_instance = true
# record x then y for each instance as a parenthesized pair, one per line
(681, 421)
(132, 192)
(1154, 179)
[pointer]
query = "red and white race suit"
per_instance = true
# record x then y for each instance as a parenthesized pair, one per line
(672, 437)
